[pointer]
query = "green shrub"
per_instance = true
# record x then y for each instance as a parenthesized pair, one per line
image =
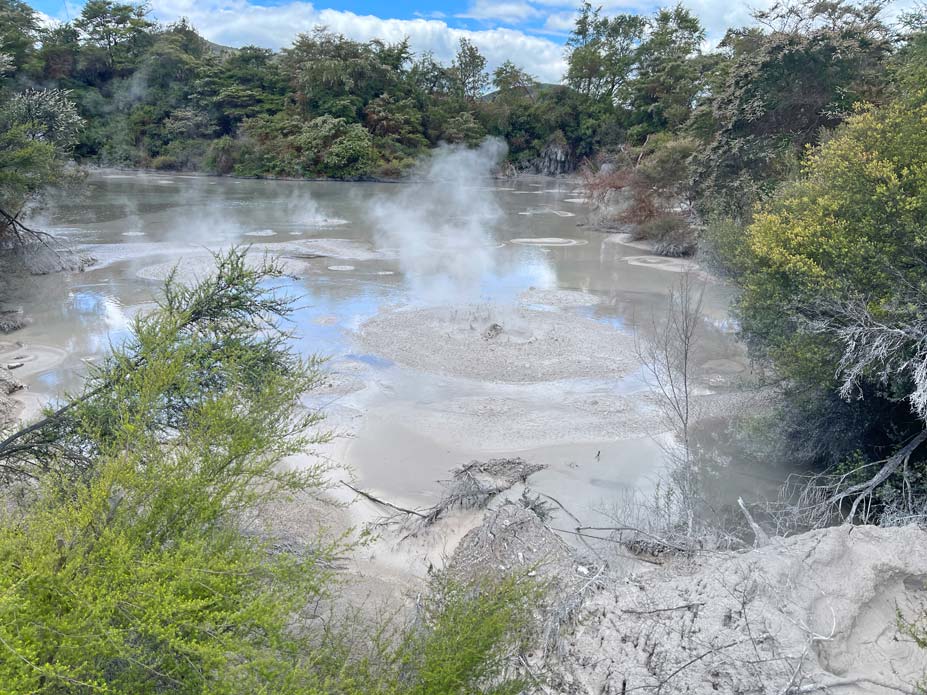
(164, 162)
(135, 564)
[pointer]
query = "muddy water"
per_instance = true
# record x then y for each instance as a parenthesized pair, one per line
(405, 417)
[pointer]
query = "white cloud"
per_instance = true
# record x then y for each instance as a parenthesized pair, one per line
(508, 11)
(238, 23)
(560, 22)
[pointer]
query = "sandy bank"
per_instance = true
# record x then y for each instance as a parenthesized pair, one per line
(812, 613)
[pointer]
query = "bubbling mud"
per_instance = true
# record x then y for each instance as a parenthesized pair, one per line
(500, 344)
(549, 241)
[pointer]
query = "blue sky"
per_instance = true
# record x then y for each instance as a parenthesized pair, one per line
(529, 32)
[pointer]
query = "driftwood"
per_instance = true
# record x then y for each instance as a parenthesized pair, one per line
(762, 538)
(382, 502)
(473, 486)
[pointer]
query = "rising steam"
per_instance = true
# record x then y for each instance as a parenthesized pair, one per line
(442, 227)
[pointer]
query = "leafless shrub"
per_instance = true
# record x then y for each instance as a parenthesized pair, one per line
(817, 501)
(674, 518)
(654, 180)
(668, 362)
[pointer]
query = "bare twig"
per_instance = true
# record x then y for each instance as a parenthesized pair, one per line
(384, 503)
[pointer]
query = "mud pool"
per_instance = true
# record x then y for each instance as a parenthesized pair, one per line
(485, 321)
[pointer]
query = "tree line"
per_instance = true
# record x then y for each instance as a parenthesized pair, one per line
(162, 96)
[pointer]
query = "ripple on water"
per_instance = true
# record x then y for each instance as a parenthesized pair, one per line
(675, 265)
(547, 211)
(341, 267)
(25, 359)
(549, 241)
(324, 222)
(261, 232)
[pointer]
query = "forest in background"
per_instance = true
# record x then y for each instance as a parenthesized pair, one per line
(164, 97)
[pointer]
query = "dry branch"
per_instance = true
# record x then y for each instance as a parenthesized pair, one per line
(473, 486)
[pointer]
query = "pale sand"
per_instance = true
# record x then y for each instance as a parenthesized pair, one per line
(817, 608)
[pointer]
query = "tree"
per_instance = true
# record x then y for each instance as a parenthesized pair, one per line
(469, 70)
(463, 128)
(59, 52)
(38, 128)
(782, 89)
(398, 120)
(908, 67)
(247, 83)
(510, 80)
(333, 147)
(19, 27)
(602, 53)
(669, 73)
(119, 30)
(335, 76)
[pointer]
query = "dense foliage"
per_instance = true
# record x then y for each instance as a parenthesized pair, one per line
(38, 127)
(831, 266)
(164, 97)
(133, 560)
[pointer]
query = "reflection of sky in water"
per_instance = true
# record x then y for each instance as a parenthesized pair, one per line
(371, 360)
(52, 381)
(329, 307)
(619, 323)
(511, 279)
(323, 314)
(104, 317)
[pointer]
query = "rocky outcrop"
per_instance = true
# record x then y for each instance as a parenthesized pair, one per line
(11, 320)
(555, 159)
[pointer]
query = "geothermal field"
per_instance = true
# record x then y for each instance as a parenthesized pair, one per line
(463, 318)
